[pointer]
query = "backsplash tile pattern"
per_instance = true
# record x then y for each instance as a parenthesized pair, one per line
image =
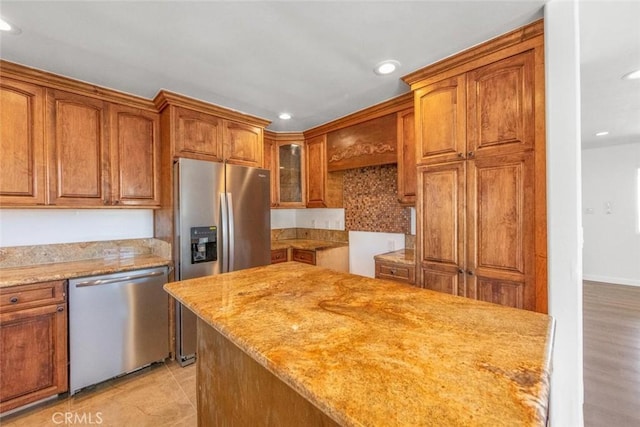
(371, 201)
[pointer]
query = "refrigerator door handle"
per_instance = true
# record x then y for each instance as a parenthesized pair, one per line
(231, 237)
(224, 218)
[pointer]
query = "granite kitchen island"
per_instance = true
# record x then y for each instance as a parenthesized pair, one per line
(294, 344)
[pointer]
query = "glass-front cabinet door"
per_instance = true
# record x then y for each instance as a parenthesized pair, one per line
(291, 174)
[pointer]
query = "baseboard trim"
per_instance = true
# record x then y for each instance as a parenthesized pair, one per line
(614, 280)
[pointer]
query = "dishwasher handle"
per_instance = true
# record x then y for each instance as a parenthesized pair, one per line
(118, 279)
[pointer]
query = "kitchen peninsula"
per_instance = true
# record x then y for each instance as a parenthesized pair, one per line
(294, 344)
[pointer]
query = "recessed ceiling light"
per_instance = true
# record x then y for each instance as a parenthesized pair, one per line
(386, 67)
(632, 75)
(285, 116)
(8, 27)
(602, 133)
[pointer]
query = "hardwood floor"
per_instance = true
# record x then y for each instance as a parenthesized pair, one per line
(611, 355)
(160, 395)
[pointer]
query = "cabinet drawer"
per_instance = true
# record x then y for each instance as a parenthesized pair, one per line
(278, 255)
(302, 255)
(27, 296)
(397, 272)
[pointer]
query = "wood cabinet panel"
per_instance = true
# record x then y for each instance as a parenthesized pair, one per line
(396, 272)
(242, 144)
(440, 110)
(369, 143)
(324, 190)
(501, 246)
(500, 102)
(22, 143)
(448, 282)
(198, 135)
(316, 172)
(303, 255)
(33, 339)
(407, 173)
(135, 157)
(270, 162)
(278, 255)
(77, 144)
(442, 225)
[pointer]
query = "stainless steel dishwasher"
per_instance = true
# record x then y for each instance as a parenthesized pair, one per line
(118, 323)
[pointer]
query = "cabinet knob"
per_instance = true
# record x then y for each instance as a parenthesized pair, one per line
(470, 154)
(460, 271)
(13, 300)
(470, 273)
(60, 309)
(392, 271)
(117, 202)
(460, 155)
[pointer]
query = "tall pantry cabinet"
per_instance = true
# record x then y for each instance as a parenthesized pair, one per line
(480, 149)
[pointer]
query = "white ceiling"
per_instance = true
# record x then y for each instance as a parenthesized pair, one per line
(311, 59)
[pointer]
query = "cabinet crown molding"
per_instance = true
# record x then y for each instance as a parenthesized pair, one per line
(512, 38)
(393, 105)
(166, 98)
(55, 81)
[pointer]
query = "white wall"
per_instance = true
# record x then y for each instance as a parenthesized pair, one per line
(363, 245)
(563, 204)
(327, 219)
(610, 214)
(20, 227)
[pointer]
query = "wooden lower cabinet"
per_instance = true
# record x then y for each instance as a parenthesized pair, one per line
(303, 255)
(477, 229)
(396, 272)
(336, 258)
(33, 343)
(278, 255)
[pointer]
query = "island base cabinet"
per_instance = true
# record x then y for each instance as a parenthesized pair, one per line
(233, 389)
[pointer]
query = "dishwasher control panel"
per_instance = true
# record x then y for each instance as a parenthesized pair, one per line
(204, 247)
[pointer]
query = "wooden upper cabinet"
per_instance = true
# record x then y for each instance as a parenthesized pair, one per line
(22, 175)
(440, 111)
(316, 172)
(198, 135)
(501, 246)
(135, 156)
(406, 157)
(77, 145)
(500, 102)
(270, 162)
(242, 144)
(291, 173)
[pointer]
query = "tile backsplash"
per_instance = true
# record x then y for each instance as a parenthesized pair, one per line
(371, 201)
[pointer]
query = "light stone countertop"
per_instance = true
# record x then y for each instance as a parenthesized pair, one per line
(306, 244)
(23, 275)
(372, 352)
(401, 256)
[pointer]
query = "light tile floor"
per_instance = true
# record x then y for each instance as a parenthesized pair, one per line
(160, 395)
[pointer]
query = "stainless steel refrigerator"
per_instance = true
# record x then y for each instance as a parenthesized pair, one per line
(223, 223)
